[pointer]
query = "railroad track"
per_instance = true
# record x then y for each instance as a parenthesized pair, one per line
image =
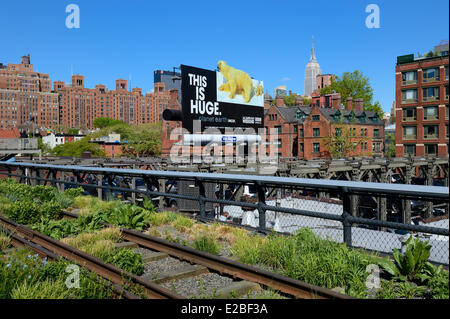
(201, 263)
(46, 246)
(249, 275)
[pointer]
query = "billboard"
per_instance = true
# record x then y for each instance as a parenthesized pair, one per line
(227, 98)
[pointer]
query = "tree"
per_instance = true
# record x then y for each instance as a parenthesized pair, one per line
(307, 101)
(102, 122)
(341, 143)
(145, 140)
(76, 148)
(356, 85)
(390, 145)
(44, 147)
(73, 131)
(290, 100)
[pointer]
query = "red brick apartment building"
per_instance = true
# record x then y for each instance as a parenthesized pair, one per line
(26, 97)
(80, 106)
(301, 129)
(422, 100)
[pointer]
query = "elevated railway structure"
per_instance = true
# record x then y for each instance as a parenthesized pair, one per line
(413, 170)
(341, 219)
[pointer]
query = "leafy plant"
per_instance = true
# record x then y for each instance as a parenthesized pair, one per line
(23, 212)
(148, 205)
(56, 229)
(128, 216)
(413, 264)
(128, 260)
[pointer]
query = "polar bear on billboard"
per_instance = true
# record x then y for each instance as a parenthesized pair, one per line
(238, 82)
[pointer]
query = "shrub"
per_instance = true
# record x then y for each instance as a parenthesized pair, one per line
(74, 192)
(56, 229)
(24, 212)
(128, 260)
(51, 209)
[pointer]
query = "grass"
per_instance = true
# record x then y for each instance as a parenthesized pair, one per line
(47, 289)
(5, 241)
(182, 224)
(306, 257)
(207, 244)
(101, 244)
(24, 275)
(98, 244)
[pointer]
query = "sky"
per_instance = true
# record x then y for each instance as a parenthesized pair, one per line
(271, 40)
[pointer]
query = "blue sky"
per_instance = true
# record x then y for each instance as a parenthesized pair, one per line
(271, 40)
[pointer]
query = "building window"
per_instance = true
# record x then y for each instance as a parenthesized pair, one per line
(430, 94)
(316, 117)
(316, 132)
(279, 143)
(410, 149)
(430, 113)
(430, 132)
(301, 132)
(409, 132)
(376, 133)
(376, 147)
(446, 73)
(277, 129)
(316, 147)
(409, 96)
(446, 92)
(301, 147)
(430, 75)
(295, 129)
(430, 149)
(409, 114)
(338, 131)
(409, 77)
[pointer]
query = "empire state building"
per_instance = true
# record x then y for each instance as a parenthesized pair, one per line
(311, 72)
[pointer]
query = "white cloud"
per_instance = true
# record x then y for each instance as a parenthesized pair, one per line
(285, 79)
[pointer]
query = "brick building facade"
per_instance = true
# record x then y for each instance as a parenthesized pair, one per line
(422, 102)
(80, 106)
(301, 130)
(25, 97)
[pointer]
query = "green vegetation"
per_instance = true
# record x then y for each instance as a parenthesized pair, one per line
(356, 85)
(390, 145)
(303, 256)
(25, 276)
(76, 148)
(142, 140)
(289, 100)
(26, 204)
(102, 122)
(411, 271)
(207, 244)
(341, 143)
(101, 244)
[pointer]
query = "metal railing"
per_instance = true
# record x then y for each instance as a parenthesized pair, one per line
(338, 219)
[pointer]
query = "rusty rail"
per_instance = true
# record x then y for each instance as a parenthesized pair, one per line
(107, 271)
(296, 288)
